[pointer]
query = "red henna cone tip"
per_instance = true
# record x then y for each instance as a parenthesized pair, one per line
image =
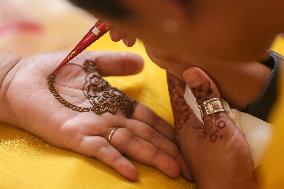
(95, 33)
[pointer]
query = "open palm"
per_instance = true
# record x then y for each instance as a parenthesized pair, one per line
(30, 106)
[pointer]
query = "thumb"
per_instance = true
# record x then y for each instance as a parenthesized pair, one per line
(108, 63)
(118, 64)
(217, 123)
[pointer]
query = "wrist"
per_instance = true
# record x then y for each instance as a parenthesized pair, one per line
(8, 61)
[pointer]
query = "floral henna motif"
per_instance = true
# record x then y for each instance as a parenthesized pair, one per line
(181, 110)
(102, 97)
(202, 95)
(213, 124)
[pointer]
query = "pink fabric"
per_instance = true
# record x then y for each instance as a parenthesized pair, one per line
(21, 26)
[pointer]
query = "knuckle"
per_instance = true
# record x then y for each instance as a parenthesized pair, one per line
(149, 154)
(99, 142)
(92, 147)
(153, 154)
(69, 130)
(148, 133)
(103, 150)
(69, 136)
(122, 137)
(154, 137)
(96, 128)
(123, 132)
(115, 157)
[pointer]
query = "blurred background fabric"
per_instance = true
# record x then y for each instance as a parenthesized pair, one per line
(26, 162)
(31, 26)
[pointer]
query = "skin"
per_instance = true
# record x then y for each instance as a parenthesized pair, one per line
(203, 30)
(217, 37)
(223, 38)
(208, 32)
(240, 83)
(85, 133)
(216, 150)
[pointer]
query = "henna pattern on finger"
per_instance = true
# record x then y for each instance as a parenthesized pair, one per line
(213, 124)
(181, 110)
(201, 95)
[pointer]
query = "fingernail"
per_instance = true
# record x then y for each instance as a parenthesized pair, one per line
(111, 8)
(116, 36)
(192, 78)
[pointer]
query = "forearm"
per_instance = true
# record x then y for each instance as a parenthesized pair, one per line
(7, 63)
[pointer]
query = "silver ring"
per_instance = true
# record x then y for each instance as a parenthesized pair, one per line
(212, 106)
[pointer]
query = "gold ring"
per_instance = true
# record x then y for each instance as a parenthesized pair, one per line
(212, 106)
(110, 133)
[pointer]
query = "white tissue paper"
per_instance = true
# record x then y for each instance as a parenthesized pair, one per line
(257, 132)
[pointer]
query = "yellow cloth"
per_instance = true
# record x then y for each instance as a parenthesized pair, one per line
(273, 168)
(26, 162)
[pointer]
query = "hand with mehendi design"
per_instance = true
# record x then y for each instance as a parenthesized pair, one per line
(216, 151)
(29, 105)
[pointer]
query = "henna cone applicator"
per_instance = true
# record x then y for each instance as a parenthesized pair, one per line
(95, 33)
